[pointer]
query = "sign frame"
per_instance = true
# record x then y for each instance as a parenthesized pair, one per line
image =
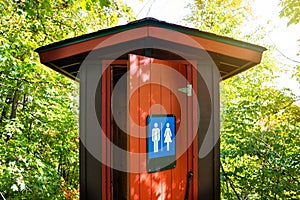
(160, 163)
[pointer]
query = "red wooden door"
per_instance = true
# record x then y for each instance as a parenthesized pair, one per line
(153, 89)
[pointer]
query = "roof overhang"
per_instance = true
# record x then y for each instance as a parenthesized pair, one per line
(230, 56)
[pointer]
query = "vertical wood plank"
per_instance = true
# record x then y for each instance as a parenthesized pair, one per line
(134, 146)
(145, 105)
(83, 134)
(180, 171)
(108, 130)
(104, 128)
(183, 138)
(190, 130)
(216, 121)
(89, 131)
(166, 176)
(156, 183)
(206, 131)
(195, 131)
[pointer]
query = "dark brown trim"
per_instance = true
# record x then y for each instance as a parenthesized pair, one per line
(209, 166)
(90, 167)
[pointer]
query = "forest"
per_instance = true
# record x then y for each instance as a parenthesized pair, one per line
(39, 142)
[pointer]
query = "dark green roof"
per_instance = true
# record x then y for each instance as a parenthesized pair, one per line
(153, 22)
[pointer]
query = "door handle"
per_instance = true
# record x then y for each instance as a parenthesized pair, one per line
(187, 90)
(189, 178)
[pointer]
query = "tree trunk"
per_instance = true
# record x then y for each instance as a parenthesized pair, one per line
(14, 105)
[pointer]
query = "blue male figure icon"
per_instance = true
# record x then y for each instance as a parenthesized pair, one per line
(168, 135)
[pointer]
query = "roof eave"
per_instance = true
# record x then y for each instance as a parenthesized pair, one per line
(151, 22)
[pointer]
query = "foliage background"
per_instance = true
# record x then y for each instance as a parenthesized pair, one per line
(260, 143)
(38, 108)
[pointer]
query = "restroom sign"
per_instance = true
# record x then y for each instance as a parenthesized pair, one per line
(161, 142)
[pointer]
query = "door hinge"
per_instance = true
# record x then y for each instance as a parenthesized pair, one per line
(187, 90)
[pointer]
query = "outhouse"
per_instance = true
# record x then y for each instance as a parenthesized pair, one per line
(149, 107)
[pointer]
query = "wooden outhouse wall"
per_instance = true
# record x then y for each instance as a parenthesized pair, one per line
(95, 95)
